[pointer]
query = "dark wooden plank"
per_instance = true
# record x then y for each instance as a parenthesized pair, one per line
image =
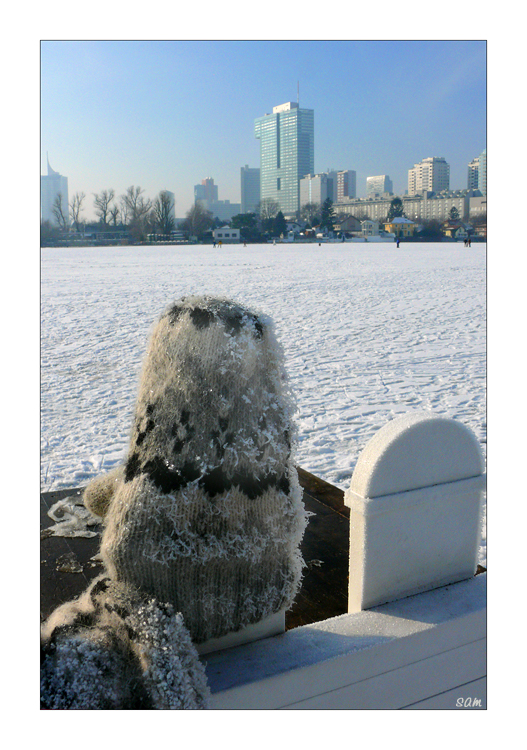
(325, 549)
(324, 492)
(69, 553)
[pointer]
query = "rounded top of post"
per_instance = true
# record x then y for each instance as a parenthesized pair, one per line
(414, 451)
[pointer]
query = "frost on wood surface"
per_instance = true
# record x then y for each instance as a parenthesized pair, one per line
(72, 519)
(114, 649)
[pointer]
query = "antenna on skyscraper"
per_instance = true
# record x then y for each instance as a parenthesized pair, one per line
(298, 93)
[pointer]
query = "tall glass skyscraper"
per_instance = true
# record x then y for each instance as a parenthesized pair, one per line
(287, 153)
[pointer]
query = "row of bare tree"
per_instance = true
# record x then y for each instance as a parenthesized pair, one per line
(139, 214)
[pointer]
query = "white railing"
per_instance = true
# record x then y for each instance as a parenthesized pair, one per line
(415, 499)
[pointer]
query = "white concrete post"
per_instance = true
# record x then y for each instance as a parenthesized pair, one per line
(415, 500)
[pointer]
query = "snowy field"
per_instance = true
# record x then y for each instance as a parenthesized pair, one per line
(369, 332)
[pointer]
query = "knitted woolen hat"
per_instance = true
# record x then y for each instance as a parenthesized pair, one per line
(207, 511)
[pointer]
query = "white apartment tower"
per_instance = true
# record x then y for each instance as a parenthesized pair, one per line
(346, 184)
(338, 186)
(378, 185)
(51, 185)
(315, 188)
(432, 173)
(472, 176)
(207, 191)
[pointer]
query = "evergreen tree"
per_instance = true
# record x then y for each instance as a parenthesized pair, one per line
(279, 225)
(328, 215)
(248, 226)
(396, 209)
(454, 214)
(431, 228)
(243, 221)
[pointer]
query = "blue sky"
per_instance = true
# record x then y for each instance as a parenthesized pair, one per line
(167, 114)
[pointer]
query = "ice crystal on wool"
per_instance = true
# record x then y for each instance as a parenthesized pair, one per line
(115, 649)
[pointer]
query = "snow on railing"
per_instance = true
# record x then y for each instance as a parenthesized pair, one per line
(415, 499)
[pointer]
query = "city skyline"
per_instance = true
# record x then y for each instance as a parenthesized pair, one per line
(165, 115)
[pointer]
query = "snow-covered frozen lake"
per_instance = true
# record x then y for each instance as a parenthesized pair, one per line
(369, 332)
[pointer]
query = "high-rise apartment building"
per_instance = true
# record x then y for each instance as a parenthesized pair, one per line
(432, 173)
(472, 176)
(482, 172)
(207, 194)
(332, 176)
(315, 188)
(224, 210)
(51, 185)
(206, 191)
(250, 189)
(424, 206)
(346, 184)
(287, 153)
(378, 185)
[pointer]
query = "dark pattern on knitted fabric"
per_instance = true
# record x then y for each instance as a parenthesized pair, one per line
(181, 430)
(231, 315)
(169, 479)
(216, 482)
(132, 467)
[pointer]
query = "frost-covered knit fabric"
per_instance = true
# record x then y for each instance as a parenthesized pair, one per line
(115, 649)
(207, 513)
